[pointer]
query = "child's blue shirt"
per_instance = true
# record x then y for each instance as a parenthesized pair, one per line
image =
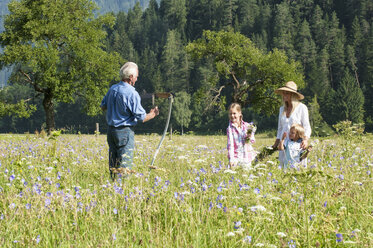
(292, 152)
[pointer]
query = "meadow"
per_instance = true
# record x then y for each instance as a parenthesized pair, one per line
(57, 192)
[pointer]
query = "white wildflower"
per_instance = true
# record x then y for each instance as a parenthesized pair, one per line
(182, 157)
(202, 147)
(239, 231)
(259, 165)
(270, 162)
(258, 207)
(230, 171)
(276, 198)
(199, 161)
(349, 242)
(259, 245)
(281, 234)
(358, 183)
(230, 234)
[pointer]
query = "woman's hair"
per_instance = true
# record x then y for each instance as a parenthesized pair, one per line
(127, 70)
(294, 102)
(235, 106)
(299, 130)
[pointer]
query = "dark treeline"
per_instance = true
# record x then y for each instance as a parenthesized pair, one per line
(331, 38)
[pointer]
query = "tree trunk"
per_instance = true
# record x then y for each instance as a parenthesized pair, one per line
(49, 111)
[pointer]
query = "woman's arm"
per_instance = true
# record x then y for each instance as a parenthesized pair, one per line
(281, 143)
(279, 129)
(307, 127)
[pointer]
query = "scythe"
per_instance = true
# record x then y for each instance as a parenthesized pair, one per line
(171, 99)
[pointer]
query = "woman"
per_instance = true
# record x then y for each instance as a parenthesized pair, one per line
(292, 112)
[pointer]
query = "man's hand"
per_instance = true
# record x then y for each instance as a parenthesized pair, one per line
(152, 113)
(155, 111)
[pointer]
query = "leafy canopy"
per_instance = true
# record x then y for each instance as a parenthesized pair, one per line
(57, 46)
(253, 73)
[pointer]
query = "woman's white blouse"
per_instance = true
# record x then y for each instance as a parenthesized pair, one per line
(299, 116)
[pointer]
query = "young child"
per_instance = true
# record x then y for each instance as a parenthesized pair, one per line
(240, 136)
(294, 154)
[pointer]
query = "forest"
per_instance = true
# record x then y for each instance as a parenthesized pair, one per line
(330, 40)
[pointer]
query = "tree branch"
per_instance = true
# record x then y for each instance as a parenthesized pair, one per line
(28, 79)
(215, 97)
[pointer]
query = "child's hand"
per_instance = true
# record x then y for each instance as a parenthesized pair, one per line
(284, 136)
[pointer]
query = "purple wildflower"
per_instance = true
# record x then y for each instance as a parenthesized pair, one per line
(237, 224)
(339, 237)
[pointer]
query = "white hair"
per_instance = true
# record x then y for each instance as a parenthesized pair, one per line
(127, 70)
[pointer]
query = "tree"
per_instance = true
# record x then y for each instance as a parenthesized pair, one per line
(57, 49)
(283, 29)
(174, 13)
(253, 74)
(182, 113)
(174, 59)
(349, 100)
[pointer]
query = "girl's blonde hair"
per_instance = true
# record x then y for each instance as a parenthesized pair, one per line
(299, 130)
(235, 106)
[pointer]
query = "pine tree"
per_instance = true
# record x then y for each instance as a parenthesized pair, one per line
(349, 100)
(182, 113)
(174, 13)
(173, 61)
(283, 30)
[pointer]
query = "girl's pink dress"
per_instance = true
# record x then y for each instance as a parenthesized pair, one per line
(240, 150)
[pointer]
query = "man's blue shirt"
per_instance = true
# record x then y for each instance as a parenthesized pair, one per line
(123, 105)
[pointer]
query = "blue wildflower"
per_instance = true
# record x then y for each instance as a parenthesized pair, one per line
(312, 216)
(339, 237)
(12, 177)
(237, 224)
(247, 239)
(292, 244)
(115, 211)
(256, 191)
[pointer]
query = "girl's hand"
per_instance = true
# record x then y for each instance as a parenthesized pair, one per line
(284, 136)
(232, 164)
(304, 144)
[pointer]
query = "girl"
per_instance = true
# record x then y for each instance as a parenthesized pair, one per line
(294, 153)
(240, 137)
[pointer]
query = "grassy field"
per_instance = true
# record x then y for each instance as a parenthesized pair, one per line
(57, 193)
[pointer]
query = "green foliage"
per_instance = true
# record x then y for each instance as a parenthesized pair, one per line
(182, 113)
(58, 48)
(347, 129)
(349, 100)
(253, 73)
(12, 102)
(325, 37)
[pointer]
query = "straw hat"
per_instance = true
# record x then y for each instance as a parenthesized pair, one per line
(290, 87)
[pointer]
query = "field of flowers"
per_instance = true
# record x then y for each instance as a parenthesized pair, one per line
(58, 193)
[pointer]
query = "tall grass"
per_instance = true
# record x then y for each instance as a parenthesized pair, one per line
(59, 193)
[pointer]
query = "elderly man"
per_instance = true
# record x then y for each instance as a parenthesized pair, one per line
(123, 111)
